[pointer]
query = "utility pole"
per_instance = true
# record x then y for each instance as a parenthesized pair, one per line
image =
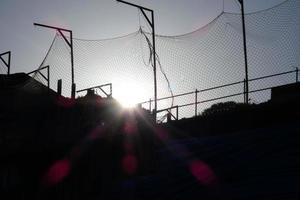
(70, 44)
(246, 100)
(6, 63)
(151, 23)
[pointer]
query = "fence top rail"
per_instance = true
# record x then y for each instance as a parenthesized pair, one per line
(218, 98)
(278, 74)
(167, 109)
(94, 87)
(222, 86)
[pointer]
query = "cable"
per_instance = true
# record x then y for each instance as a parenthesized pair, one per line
(160, 66)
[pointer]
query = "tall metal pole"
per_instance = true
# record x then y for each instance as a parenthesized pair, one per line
(246, 100)
(6, 63)
(196, 102)
(297, 74)
(151, 23)
(154, 65)
(73, 89)
(70, 44)
(48, 75)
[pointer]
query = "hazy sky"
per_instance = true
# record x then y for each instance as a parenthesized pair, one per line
(97, 19)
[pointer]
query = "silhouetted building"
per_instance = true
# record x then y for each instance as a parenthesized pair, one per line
(284, 93)
(21, 90)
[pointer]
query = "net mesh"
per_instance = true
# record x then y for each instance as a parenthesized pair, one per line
(210, 56)
(3, 66)
(3, 69)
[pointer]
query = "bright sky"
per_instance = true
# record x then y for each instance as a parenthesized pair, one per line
(97, 19)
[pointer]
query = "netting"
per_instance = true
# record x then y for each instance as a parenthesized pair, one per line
(210, 56)
(3, 69)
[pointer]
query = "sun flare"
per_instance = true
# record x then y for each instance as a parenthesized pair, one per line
(129, 94)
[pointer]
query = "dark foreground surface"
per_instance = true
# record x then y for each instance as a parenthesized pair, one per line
(89, 148)
(256, 164)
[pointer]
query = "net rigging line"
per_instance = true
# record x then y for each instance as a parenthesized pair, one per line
(150, 60)
(220, 15)
(161, 69)
(259, 11)
(159, 63)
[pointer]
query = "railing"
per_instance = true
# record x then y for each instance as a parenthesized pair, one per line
(101, 88)
(196, 101)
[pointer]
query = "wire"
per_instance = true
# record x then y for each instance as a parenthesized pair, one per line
(259, 11)
(238, 3)
(47, 54)
(159, 64)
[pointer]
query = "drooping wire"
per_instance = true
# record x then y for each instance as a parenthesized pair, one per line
(142, 49)
(48, 52)
(238, 3)
(259, 11)
(159, 64)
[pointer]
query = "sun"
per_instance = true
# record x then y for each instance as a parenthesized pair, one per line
(129, 94)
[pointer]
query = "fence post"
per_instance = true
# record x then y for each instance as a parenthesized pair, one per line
(48, 74)
(297, 74)
(110, 89)
(177, 113)
(73, 90)
(169, 116)
(150, 104)
(196, 100)
(245, 100)
(59, 86)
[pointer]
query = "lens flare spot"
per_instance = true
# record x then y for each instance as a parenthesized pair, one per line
(129, 164)
(57, 172)
(203, 173)
(130, 127)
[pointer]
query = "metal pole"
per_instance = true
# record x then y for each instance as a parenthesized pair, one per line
(9, 57)
(154, 65)
(48, 74)
(59, 86)
(196, 100)
(245, 90)
(72, 67)
(297, 74)
(151, 23)
(245, 52)
(111, 90)
(70, 44)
